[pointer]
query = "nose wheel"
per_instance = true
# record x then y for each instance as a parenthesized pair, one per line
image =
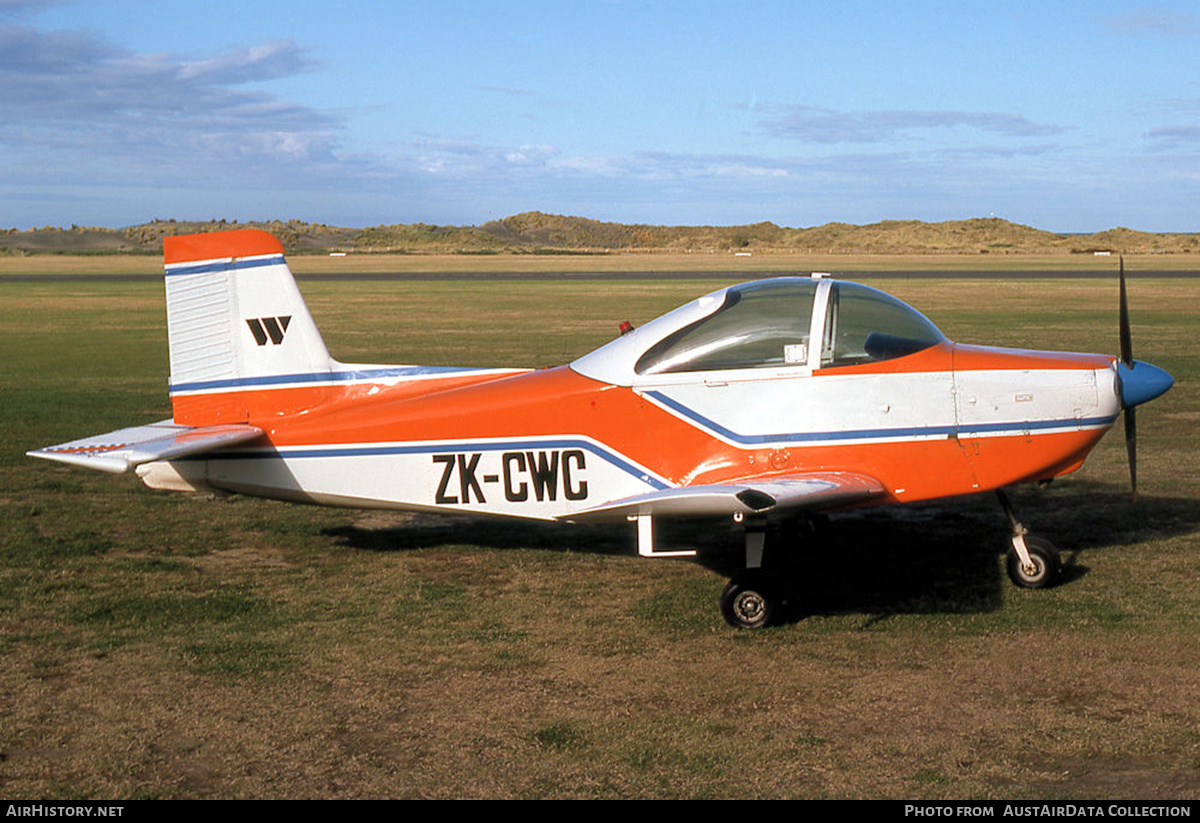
(1042, 567)
(1032, 562)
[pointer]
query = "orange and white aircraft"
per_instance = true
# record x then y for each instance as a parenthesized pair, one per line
(781, 398)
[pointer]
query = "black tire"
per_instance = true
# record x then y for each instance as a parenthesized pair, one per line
(749, 602)
(1045, 560)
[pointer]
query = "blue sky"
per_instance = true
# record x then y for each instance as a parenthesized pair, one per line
(1068, 116)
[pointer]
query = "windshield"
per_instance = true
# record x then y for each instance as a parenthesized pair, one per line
(759, 325)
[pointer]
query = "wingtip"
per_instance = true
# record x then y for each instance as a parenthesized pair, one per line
(112, 464)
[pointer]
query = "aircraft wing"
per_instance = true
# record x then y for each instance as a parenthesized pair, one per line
(811, 491)
(121, 450)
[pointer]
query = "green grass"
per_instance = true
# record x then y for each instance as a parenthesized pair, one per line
(157, 645)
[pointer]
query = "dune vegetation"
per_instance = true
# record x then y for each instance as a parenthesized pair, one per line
(539, 233)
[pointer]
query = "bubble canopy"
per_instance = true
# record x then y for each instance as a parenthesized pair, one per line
(791, 323)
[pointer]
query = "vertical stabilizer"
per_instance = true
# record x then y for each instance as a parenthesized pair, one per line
(241, 338)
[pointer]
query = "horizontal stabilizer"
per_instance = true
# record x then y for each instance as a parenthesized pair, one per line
(813, 491)
(121, 450)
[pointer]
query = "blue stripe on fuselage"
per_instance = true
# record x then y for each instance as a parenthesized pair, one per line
(872, 434)
(307, 452)
(270, 380)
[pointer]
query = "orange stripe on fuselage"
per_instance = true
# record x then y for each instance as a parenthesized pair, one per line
(936, 358)
(546, 403)
(1003, 461)
(984, 358)
(963, 357)
(265, 407)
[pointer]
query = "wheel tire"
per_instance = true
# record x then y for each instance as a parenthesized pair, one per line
(1044, 557)
(748, 602)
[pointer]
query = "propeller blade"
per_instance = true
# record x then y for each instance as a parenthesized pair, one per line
(1126, 338)
(1131, 447)
(1127, 359)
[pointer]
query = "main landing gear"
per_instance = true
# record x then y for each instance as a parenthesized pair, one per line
(750, 601)
(1032, 562)
(755, 597)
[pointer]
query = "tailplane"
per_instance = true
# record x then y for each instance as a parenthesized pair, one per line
(239, 331)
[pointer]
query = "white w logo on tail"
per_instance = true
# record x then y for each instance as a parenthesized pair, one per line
(264, 328)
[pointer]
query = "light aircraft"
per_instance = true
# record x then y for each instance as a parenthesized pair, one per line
(776, 400)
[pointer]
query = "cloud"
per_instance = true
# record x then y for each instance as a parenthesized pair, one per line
(817, 125)
(531, 155)
(19, 9)
(282, 58)
(1174, 136)
(69, 74)
(79, 107)
(507, 91)
(1154, 21)
(712, 166)
(489, 166)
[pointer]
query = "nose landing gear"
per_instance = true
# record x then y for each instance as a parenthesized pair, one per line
(1032, 562)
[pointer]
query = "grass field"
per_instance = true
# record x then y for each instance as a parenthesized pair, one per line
(157, 645)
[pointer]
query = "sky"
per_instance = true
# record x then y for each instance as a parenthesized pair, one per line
(1067, 116)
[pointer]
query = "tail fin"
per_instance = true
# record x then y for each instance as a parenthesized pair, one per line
(243, 344)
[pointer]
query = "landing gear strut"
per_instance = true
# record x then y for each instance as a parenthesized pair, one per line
(754, 598)
(1032, 562)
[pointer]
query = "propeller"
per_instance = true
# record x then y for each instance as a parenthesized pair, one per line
(1137, 382)
(1127, 361)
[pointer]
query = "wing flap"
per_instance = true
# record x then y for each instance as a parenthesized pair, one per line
(812, 491)
(121, 450)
